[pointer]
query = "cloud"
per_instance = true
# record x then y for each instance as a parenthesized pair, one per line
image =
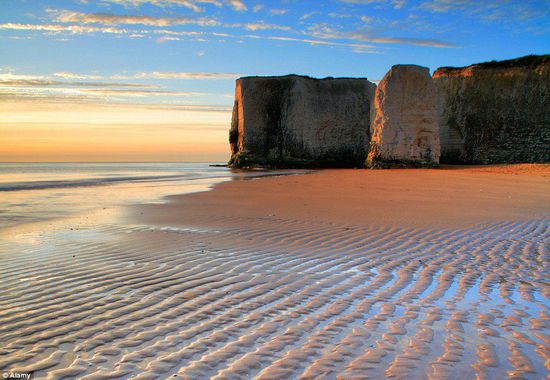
(140, 93)
(48, 83)
(191, 4)
(86, 29)
(262, 26)
(164, 39)
(339, 15)
(309, 15)
(194, 5)
(356, 46)
(183, 75)
(278, 12)
(155, 75)
(86, 95)
(18, 80)
(21, 83)
(326, 31)
(368, 37)
(237, 5)
(111, 19)
(73, 29)
(9, 76)
(257, 8)
(67, 75)
(493, 10)
(397, 4)
(451, 5)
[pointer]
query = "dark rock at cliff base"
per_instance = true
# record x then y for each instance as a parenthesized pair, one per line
(495, 112)
(404, 127)
(296, 121)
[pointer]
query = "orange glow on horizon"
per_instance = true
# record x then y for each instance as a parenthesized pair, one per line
(81, 132)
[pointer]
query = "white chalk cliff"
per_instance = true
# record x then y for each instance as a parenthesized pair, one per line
(404, 126)
(493, 112)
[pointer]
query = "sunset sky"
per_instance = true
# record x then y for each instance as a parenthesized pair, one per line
(153, 80)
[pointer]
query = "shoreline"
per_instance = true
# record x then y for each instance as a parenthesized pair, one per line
(449, 196)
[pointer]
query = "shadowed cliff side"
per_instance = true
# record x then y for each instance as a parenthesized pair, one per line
(495, 112)
(296, 121)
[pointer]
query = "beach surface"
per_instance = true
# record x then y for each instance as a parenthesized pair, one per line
(350, 274)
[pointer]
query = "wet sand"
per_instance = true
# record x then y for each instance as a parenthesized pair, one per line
(439, 274)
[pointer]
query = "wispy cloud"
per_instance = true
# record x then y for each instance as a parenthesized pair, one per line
(368, 37)
(48, 80)
(308, 15)
(111, 19)
(356, 46)
(263, 26)
(47, 88)
(194, 5)
(493, 10)
(82, 29)
(164, 39)
(451, 5)
(183, 75)
(18, 80)
(237, 5)
(370, 34)
(339, 15)
(140, 93)
(323, 34)
(56, 28)
(67, 75)
(394, 3)
(65, 16)
(94, 95)
(278, 12)
(48, 83)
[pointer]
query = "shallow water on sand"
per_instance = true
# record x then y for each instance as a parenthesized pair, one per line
(36, 192)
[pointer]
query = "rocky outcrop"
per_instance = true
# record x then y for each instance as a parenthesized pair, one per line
(404, 127)
(495, 112)
(300, 121)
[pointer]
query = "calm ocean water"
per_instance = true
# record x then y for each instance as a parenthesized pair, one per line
(34, 192)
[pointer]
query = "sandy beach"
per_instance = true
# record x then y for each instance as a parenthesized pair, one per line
(348, 274)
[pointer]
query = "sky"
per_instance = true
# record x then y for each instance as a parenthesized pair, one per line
(153, 80)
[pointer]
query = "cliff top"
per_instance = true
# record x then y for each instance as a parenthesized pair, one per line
(299, 76)
(528, 61)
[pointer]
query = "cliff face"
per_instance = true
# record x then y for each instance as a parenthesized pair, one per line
(495, 112)
(404, 127)
(300, 121)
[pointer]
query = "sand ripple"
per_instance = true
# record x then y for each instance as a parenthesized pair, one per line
(268, 298)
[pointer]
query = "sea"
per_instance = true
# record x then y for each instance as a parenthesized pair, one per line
(32, 193)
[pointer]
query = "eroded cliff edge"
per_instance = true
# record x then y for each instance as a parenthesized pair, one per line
(297, 121)
(495, 112)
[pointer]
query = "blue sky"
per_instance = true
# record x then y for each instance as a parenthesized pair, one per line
(184, 55)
